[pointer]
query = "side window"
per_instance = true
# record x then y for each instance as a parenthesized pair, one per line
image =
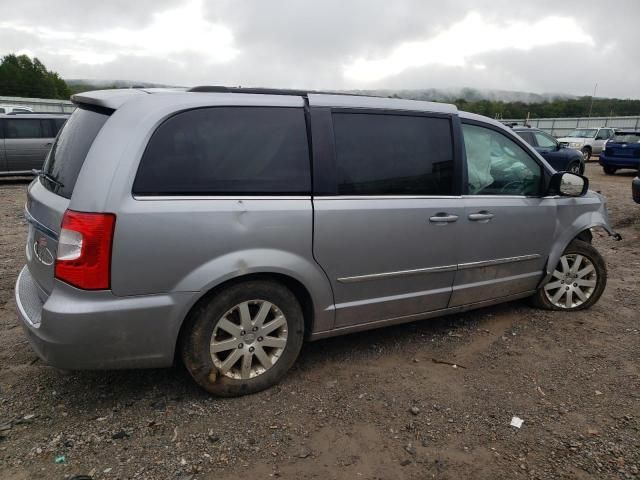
(496, 165)
(227, 151)
(58, 123)
(545, 141)
(2, 110)
(528, 137)
(380, 154)
(47, 128)
(22, 128)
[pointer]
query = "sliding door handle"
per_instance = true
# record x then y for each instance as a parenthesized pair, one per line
(480, 216)
(442, 218)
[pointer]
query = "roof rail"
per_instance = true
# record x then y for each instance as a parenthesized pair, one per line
(268, 91)
(37, 113)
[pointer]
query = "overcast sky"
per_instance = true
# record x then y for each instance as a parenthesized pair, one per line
(543, 46)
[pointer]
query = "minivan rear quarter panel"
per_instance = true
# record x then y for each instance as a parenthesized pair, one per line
(187, 243)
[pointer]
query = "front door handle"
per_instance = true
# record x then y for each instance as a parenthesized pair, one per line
(482, 216)
(443, 218)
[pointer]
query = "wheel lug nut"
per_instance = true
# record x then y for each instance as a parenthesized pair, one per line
(251, 349)
(567, 287)
(255, 329)
(242, 333)
(575, 284)
(259, 339)
(240, 346)
(561, 281)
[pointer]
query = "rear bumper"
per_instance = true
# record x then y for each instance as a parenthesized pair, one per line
(77, 330)
(619, 162)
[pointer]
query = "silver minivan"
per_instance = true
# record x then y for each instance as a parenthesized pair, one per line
(25, 140)
(226, 226)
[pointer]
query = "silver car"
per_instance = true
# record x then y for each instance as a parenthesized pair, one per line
(25, 140)
(226, 226)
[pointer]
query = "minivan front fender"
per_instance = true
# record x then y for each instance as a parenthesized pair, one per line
(266, 261)
(569, 226)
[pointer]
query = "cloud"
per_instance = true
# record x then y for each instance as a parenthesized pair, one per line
(466, 39)
(541, 46)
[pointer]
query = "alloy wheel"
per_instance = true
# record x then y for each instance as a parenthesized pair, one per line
(249, 339)
(572, 283)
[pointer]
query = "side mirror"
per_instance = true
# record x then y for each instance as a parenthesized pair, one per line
(568, 184)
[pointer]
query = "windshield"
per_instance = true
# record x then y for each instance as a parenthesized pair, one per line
(627, 138)
(583, 133)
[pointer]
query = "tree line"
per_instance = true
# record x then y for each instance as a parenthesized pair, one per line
(21, 76)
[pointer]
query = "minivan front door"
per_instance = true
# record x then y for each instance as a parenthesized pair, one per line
(508, 226)
(386, 237)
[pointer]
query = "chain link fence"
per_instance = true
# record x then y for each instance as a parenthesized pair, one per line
(40, 104)
(560, 127)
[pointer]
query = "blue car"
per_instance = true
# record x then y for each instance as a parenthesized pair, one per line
(561, 158)
(622, 151)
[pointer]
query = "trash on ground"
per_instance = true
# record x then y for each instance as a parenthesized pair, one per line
(444, 362)
(516, 422)
(60, 459)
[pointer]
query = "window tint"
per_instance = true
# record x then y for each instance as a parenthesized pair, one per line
(497, 165)
(393, 154)
(70, 149)
(528, 137)
(226, 151)
(58, 123)
(544, 140)
(47, 128)
(22, 128)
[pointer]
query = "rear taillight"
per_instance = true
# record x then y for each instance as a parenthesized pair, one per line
(84, 250)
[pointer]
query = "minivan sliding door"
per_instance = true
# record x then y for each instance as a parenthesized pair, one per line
(385, 216)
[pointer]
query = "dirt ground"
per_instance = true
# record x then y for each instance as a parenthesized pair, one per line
(371, 405)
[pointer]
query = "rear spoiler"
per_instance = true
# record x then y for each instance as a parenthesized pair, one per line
(106, 99)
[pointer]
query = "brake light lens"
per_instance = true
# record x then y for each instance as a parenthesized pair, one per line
(84, 250)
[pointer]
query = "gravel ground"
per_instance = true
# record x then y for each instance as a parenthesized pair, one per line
(372, 405)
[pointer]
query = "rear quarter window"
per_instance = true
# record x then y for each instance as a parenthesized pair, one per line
(227, 151)
(70, 150)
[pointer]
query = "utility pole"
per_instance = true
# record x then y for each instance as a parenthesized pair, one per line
(594, 94)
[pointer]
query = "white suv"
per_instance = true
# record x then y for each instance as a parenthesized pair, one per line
(15, 108)
(588, 140)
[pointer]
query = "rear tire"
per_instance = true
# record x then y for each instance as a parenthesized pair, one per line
(574, 287)
(609, 170)
(236, 326)
(586, 153)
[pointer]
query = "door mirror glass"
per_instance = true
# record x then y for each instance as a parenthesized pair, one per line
(568, 185)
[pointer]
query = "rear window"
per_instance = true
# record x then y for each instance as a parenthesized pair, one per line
(626, 137)
(70, 149)
(382, 154)
(227, 151)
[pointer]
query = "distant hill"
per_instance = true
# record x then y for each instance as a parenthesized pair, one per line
(492, 103)
(468, 95)
(77, 85)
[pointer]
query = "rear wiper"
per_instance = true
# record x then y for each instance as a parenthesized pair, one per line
(46, 176)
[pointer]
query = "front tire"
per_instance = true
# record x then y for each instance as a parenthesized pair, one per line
(244, 339)
(609, 170)
(586, 153)
(575, 167)
(577, 281)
